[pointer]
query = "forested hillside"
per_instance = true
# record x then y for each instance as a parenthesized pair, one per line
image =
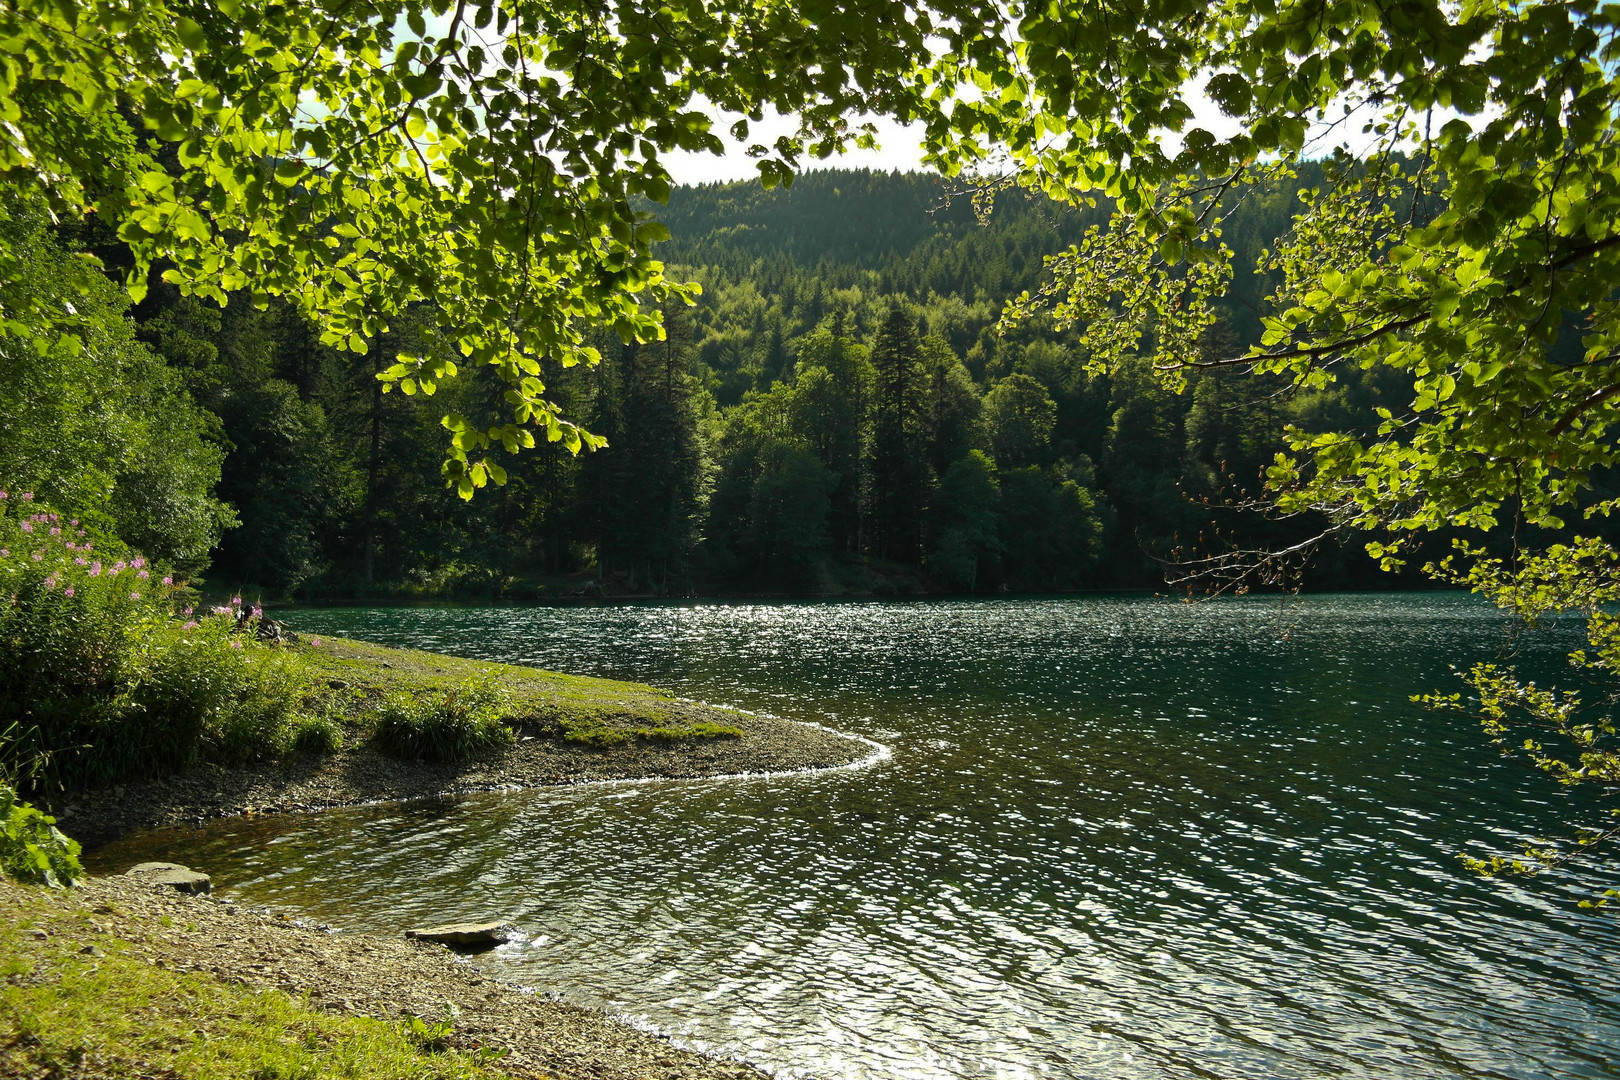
(839, 414)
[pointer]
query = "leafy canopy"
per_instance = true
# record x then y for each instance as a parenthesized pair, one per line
(1467, 238)
(1471, 219)
(485, 156)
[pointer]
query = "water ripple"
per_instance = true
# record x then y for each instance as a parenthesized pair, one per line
(1115, 838)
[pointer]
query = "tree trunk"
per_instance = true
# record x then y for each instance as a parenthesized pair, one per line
(371, 480)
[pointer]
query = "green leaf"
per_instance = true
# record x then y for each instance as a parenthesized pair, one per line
(191, 34)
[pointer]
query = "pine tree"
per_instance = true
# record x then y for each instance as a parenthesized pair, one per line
(900, 477)
(646, 487)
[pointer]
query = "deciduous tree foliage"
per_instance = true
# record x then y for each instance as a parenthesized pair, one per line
(484, 154)
(1467, 239)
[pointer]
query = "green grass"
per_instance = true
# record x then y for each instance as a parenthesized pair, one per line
(361, 678)
(64, 1012)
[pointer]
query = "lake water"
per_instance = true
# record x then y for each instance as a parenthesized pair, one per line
(1114, 838)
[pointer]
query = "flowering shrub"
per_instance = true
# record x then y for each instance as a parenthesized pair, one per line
(105, 680)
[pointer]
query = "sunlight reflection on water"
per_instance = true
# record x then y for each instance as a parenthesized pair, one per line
(1118, 837)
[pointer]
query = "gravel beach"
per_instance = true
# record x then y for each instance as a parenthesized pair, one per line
(389, 979)
(347, 974)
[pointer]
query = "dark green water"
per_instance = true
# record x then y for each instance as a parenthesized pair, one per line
(1115, 837)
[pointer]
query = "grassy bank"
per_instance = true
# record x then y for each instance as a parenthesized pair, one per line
(358, 680)
(117, 673)
(128, 701)
(398, 724)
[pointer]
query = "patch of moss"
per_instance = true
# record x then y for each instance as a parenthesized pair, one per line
(68, 1011)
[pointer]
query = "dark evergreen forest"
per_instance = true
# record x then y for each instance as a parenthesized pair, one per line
(840, 414)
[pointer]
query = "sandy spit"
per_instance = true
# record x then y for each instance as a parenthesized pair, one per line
(536, 759)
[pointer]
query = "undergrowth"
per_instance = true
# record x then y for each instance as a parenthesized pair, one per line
(110, 675)
(112, 672)
(32, 849)
(449, 725)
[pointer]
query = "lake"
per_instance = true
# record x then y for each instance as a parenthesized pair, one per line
(1113, 837)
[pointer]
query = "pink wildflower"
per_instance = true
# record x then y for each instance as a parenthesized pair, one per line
(71, 546)
(315, 641)
(236, 601)
(188, 611)
(236, 644)
(27, 496)
(28, 526)
(55, 531)
(222, 611)
(95, 568)
(75, 522)
(5, 553)
(68, 591)
(143, 575)
(137, 562)
(50, 582)
(38, 556)
(118, 567)
(134, 596)
(4, 494)
(257, 611)
(190, 625)
(167, 580)
(80, 561)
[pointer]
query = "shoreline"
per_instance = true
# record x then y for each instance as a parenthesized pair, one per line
(240, 944)
(308, 783)
(175, 945)
(567, 730)
(180, 946)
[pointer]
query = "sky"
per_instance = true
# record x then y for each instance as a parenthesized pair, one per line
(898, 148)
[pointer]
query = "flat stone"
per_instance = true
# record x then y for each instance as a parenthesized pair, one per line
(465, 935)
(173, 875)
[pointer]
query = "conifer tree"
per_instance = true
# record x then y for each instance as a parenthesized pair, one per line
(831, 404)
(900, 473)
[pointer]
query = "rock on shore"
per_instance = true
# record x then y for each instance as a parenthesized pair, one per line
(170, 875)
(465, 936)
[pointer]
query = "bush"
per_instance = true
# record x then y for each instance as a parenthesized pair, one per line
(447, 727)
(202, 687)
(104, 681)
(318, 735)
(32, 848)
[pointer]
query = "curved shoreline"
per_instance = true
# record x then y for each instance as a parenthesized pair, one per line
(768, 746)
(568, 730)
(387, 979)
(390, 979)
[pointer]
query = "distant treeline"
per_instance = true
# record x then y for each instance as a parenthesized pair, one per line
(840, 413)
